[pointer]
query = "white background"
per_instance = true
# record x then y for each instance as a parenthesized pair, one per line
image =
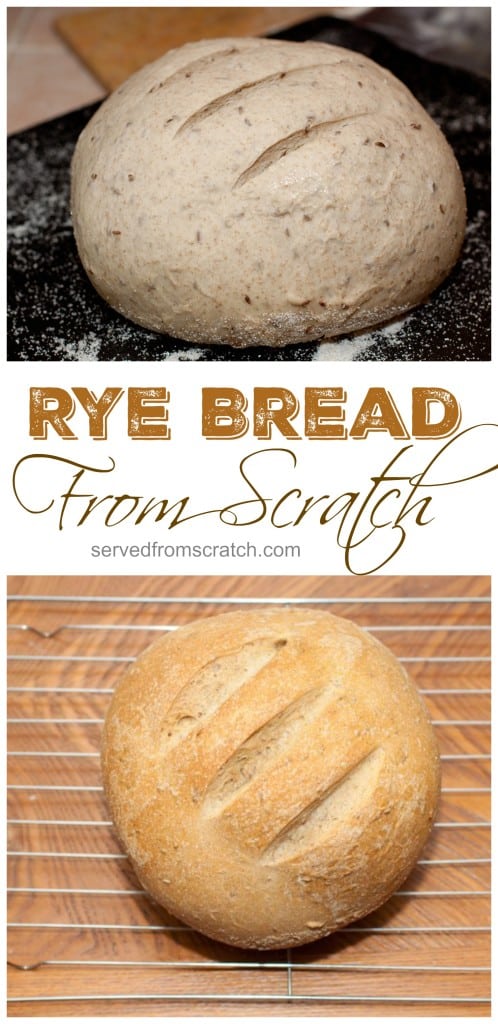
(460, 538)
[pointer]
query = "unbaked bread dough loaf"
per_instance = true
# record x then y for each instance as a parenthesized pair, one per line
(254, 191)
(272, 775)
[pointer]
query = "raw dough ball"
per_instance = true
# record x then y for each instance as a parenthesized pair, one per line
(253, 191)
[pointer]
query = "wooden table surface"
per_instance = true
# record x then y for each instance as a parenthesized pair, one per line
(85, 941)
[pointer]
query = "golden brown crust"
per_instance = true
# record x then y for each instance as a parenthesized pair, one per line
(273, 775)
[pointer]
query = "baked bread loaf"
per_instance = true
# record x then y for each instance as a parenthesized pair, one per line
(273, 775)
(253, 191)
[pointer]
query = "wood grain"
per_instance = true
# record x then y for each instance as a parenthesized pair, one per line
(116, 41)
(102, 947)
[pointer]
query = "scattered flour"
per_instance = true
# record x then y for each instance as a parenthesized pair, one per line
(85, 349)
(349, 348)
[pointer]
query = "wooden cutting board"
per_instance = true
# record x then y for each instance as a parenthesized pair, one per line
(116, 41)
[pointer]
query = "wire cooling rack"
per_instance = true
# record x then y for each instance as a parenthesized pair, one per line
(83, 937)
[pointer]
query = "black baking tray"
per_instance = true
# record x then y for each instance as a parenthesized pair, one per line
(55, 314)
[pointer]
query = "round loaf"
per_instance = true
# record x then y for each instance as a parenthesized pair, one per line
(254, 191)
(272, 775)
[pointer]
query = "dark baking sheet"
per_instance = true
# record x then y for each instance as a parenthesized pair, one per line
(55, 314)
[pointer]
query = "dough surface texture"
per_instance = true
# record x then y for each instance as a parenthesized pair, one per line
(254, 191)
(273, 775)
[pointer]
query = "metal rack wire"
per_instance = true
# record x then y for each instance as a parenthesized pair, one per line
(61, 664)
